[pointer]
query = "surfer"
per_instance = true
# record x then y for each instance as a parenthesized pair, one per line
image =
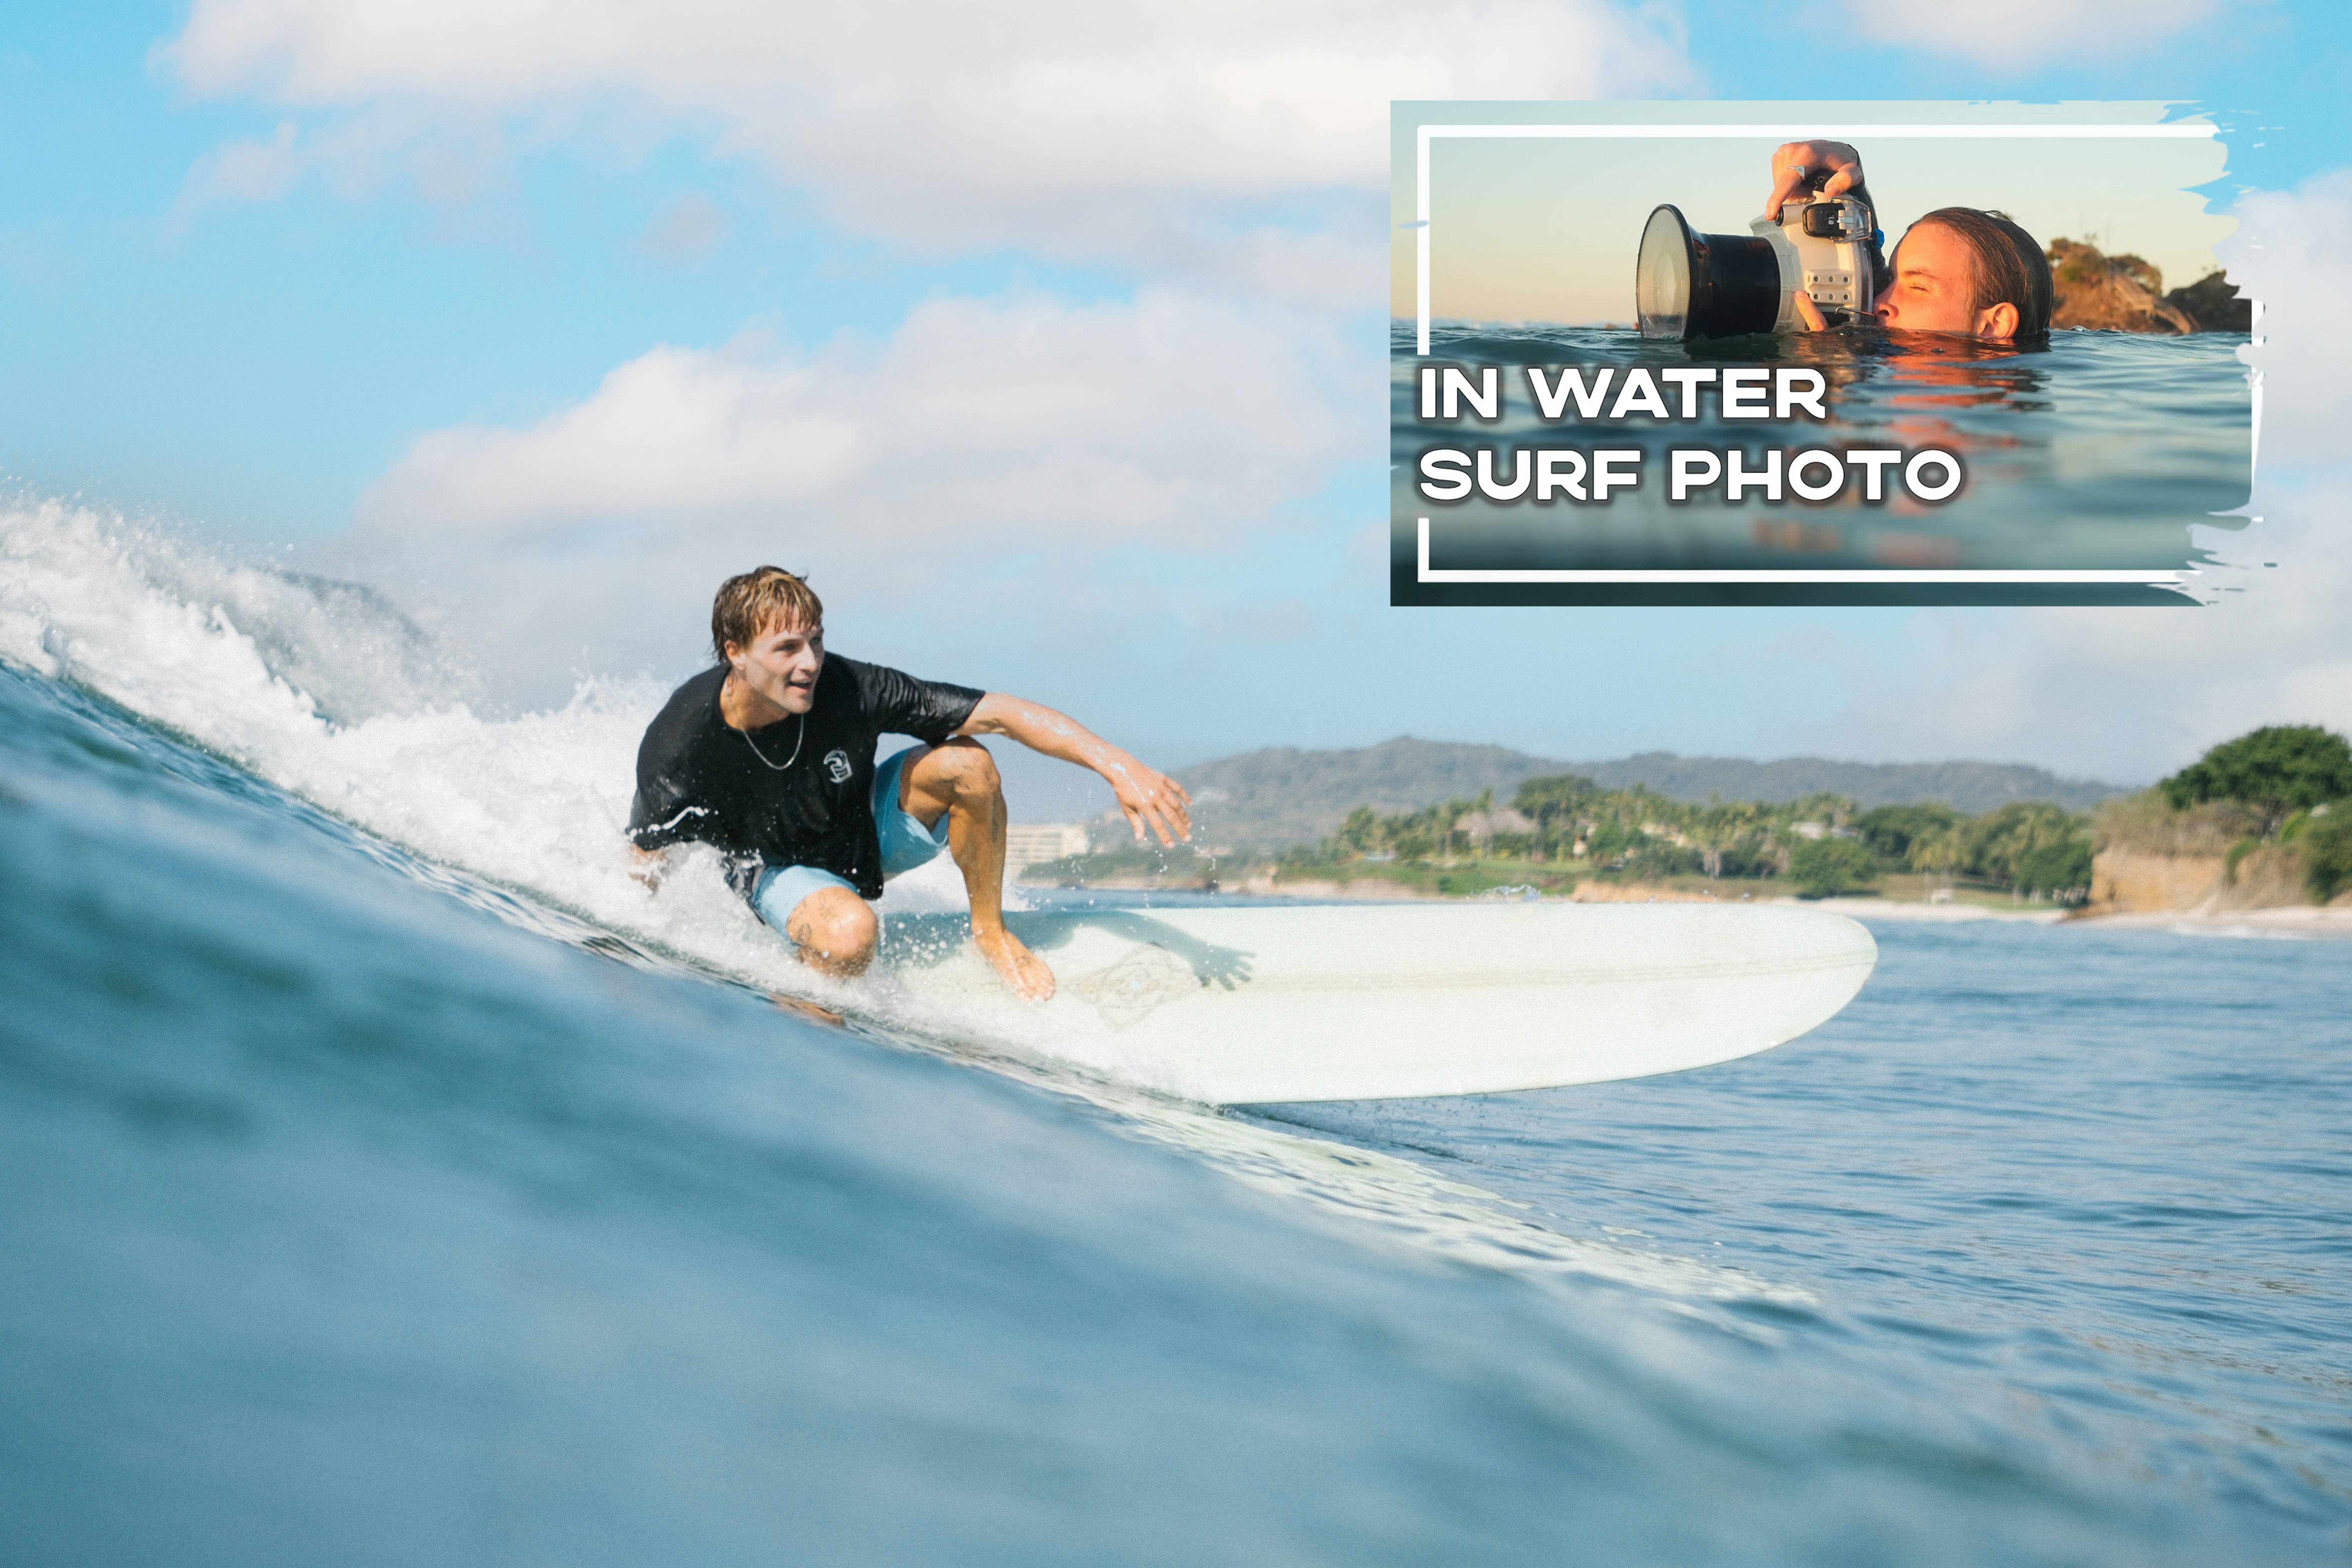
(1957, 270)
(769, 757)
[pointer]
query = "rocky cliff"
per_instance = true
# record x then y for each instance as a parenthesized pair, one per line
(2202, 859)
(2125, 293)
(2130, 882)
(2214, 303)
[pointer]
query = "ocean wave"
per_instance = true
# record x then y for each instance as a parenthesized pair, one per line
(523, 816)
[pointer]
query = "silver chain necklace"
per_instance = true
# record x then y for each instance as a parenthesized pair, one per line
(788, 762)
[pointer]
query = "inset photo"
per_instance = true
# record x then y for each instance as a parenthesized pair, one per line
(1687, 354)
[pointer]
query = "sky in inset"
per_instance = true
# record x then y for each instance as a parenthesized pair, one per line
(1546, 229)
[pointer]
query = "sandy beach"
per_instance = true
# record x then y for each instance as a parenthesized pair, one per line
(1887, 909)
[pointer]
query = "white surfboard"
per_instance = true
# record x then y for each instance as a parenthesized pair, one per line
(1236, 1004)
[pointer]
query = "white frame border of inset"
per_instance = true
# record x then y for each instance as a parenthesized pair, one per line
(2184, 129)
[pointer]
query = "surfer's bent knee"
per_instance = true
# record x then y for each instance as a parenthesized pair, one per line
(967, 765)
(835, 928)
(957, 770)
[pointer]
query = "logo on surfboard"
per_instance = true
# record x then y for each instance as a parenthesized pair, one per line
(1146, 979)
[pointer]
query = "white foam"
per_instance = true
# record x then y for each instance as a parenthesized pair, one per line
(229, 656)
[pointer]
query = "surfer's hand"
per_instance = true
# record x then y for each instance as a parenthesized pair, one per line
(1151, 799)
(1794, 163)
(651, 866)
(1809, 315)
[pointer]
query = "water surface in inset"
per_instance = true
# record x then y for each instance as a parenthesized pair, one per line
(2099, 449)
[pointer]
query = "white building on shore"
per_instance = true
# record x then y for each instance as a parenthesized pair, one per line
(1027, 843)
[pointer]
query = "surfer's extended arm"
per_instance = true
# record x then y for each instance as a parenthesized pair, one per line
(1150, 798)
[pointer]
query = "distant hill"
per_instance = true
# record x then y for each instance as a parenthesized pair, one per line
(1970, 787)
(1284, 795)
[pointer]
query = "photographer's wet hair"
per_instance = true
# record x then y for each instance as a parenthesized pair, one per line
(764, 596)
(2010, 265)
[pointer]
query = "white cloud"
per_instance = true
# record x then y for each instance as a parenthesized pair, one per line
(2129, 694)
(981, 433)
(247, 170)
(2293, 251)
(452, 161)
(686, 231)
(1055, 124)
(2018, 35)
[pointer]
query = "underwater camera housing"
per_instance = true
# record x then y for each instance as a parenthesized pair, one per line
(1691, 285)
(1831, 238)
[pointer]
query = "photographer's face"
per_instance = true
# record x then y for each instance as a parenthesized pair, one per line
(1935, 288)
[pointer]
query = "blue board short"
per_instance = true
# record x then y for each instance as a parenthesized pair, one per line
(906, 844)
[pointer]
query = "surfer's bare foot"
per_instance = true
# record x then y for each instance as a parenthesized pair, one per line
(1022, 970)
(805, 1008)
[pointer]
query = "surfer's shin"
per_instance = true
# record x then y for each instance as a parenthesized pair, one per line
(976, 823)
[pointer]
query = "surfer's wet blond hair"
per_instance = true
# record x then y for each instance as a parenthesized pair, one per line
(760, 598)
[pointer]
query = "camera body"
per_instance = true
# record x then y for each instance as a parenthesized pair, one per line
(1688, 285)
(1824, 245)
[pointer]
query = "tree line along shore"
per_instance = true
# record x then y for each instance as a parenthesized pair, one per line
(2260, 821)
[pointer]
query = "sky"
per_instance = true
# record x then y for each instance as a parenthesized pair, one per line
(1047, 338)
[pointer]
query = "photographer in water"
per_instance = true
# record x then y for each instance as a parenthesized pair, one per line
(1956, 269)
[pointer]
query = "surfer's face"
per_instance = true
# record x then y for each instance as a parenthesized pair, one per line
(782, 664)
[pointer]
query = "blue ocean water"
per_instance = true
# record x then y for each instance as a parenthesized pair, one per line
(2100, 449)
(366, 1204)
